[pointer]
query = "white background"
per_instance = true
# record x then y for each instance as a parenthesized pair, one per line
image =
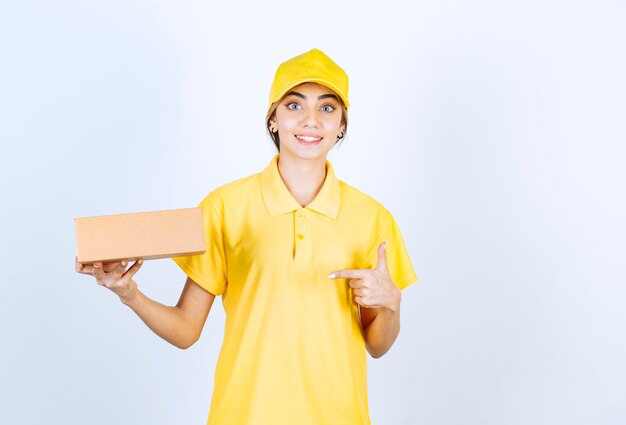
(494, 131)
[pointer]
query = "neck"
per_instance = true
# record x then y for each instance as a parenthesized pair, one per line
(303, 177)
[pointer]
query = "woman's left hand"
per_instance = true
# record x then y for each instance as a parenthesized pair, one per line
(373, 288)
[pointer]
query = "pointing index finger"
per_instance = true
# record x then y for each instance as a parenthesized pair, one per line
(348, 274)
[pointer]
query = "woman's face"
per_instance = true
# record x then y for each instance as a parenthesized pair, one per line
(308, 119)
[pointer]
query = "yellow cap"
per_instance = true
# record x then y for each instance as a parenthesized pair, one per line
(312, 66)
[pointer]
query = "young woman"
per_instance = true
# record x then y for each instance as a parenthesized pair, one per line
(309, 269)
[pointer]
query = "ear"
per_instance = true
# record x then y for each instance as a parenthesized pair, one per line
(272, 125)
(342, 131)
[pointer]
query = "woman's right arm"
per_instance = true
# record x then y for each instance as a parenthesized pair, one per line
(179, 325)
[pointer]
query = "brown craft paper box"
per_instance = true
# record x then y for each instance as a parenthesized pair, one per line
(147, 235)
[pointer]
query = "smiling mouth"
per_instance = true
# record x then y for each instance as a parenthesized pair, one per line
(308, 139)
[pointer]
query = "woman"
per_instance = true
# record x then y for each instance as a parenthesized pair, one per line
(309, 269)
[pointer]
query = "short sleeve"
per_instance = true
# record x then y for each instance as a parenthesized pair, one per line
(209, 269)
(398, 260)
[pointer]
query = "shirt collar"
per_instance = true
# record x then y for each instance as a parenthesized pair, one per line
(279, 200)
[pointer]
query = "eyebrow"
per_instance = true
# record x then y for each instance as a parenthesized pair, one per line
(324, 96)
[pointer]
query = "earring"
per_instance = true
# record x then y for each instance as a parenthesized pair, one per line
(339, 136)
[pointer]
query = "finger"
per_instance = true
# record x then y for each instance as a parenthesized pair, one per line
(360, 291)
(87, 269)
(359, 300)
(382, 257)
(84, 268)
(77, 265)
(134, 268)
(356, 283)
(365, 302)
(120, 268)
(111, 266)
(97, 271)
(350, 274)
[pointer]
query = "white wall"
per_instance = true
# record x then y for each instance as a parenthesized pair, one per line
(494, 131)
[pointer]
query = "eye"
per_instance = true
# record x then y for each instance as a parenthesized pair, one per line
(328, 108)
(293, 106)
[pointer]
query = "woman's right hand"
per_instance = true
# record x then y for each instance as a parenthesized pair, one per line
(114, 276)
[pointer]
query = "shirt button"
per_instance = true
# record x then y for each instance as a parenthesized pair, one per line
(300, 236)
(301, 215)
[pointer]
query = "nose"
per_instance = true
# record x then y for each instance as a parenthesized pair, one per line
(311, 118)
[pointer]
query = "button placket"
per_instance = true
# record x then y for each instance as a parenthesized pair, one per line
(302, 236)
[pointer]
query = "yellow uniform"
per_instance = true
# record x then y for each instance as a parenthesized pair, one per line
(293, 351)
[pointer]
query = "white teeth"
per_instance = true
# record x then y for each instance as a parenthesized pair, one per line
(309, 139)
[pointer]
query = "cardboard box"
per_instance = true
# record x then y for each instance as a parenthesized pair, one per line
(147, 235)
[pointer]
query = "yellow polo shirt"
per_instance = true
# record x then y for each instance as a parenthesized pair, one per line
(294, 351)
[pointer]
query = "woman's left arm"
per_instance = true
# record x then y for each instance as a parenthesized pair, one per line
(379, 300)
